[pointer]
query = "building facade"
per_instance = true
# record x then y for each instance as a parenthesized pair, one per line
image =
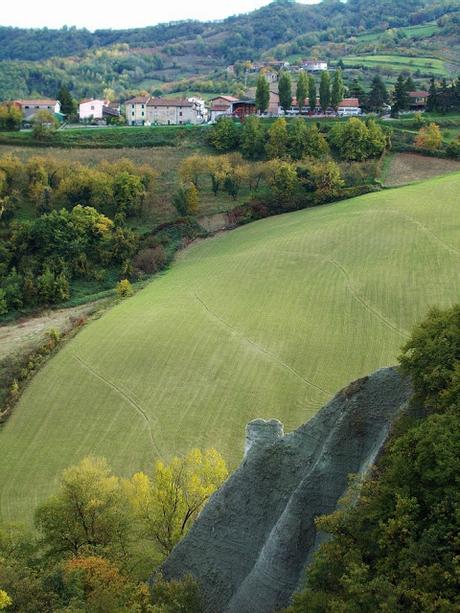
(418, 100)
(31, 107)
(145, 110)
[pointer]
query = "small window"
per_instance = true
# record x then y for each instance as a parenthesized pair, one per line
(132, 113)
(142, 113)
(180, 113)
(132, 106)
(143, 106)
(92, 108)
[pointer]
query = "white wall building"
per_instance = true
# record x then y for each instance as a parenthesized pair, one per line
(91, 108)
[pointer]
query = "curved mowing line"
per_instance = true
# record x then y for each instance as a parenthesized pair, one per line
(124, 395)
(423, 228)
(353, 291)
(266, 352)
(365, 304)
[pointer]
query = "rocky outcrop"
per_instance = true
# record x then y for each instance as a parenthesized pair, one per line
(251, 544)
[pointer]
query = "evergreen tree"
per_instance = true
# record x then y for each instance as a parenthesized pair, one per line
(262, 94)
(410, 85)
(312, 94)
(432, 102)
(68, 105)
(400, 96)
(302, 90)
(378, 95)
(443, 97)
(337, 89)
(340, 64)
(325, 91)
(357, 90)
(285, 91)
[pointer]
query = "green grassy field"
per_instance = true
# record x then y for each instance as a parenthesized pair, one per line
(269, 320)
(94, 138)
(426, 65)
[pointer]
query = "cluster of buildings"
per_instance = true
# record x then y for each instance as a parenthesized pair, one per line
(151, 111)
(236, 107)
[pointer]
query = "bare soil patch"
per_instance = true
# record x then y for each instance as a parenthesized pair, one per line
(409, 167)
(28, 333)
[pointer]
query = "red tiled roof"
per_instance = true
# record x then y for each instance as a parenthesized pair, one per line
(229, 98)
(419, 94)
(169, 102)
(349, 102)
(36, 102)
(138, 100)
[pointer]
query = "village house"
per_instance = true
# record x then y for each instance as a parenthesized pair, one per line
(171, 111)
(136, 110)
(30, 107)
(220, 105)
(418, 100)
(93, 108)
(145, 110)
(349, 107)
(314, 65)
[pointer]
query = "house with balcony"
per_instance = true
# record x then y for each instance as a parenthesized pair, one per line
(418, 100)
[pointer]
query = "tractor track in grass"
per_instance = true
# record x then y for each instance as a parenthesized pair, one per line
(259, 348)
(127, 397)
(353, 291)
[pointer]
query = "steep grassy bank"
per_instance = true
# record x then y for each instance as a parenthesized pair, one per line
(265, 321)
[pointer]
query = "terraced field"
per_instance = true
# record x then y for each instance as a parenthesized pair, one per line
(266, 321)
(397, 63)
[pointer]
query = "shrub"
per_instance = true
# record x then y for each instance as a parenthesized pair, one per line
(124, 288)
(429, 137)
(150, 260)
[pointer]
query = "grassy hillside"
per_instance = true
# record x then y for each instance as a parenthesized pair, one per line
(266, 321)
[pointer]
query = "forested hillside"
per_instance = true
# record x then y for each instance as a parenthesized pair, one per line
(193, 55)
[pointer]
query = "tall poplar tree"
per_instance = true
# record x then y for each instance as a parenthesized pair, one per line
(285, 90)
(325, 91)
(262, 94)
(337, 89)
(312, 94)
(302, 90)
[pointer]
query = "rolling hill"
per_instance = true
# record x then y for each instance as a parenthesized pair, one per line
(265, 321)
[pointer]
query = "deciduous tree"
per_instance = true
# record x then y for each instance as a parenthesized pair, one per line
(429, 137)
(325, 91)
(302, 90)
(285, 90)
(167, 503)
(337, 89)
(262, 93)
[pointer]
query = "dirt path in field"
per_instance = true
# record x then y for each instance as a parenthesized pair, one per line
(409, 167)
(27, 333)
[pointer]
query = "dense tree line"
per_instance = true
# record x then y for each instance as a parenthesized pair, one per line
(298, 139)
(77, 230)
(99, 536)
(396, 549)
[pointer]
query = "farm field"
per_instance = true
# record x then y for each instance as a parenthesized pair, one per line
(406, 168)
(269, 320)
(164, 160)
(426, 65)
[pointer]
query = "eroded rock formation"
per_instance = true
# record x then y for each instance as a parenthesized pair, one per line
(251, 544)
